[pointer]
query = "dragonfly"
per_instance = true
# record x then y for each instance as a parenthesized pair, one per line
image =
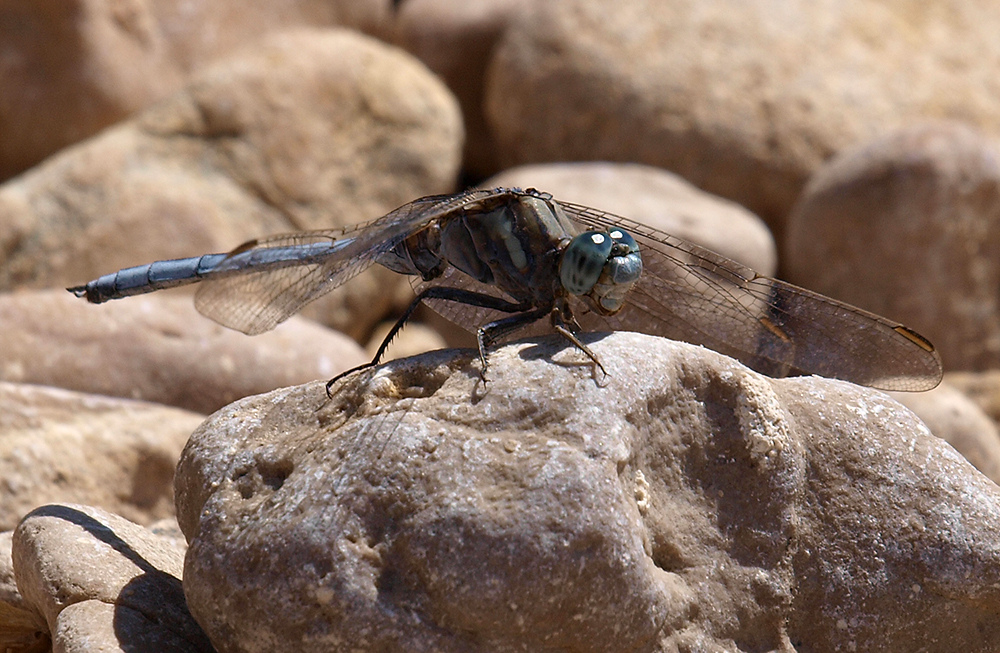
(505, 261)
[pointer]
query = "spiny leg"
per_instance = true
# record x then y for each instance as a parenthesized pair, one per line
(436, 292)
(563, 316)
(488, 334)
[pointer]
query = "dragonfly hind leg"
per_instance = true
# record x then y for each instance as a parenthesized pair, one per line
(449, 294)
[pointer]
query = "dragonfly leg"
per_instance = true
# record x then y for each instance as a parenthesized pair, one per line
(438, 292)
(560, 320)
(488, 334)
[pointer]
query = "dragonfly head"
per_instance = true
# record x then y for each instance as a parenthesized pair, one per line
(601, 266)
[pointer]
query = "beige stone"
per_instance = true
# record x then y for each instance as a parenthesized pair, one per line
(657, 198)
(908, 226)
(680, 503)
(456, 39)
(74, 67)
(196, 33)
(743, 99)
(58, 445)
(158, 348)
(983, 388)
(103, 583)
(22, 628)
(309, 129)
(956, 419)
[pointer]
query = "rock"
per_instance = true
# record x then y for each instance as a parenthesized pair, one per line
(956, 419)
(8, 586)
(103, 583)
(456, 40)
(680, 503)
(745, 100)
(158, 348)
(198, 33)
(310, 129)
(57, 445)
(908, 226)
(72, 68)
(657, 198)
(983, 388)
(22, 629)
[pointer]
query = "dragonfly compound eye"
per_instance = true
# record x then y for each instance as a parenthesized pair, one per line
(622, 269)
(623, 243)
(624, 265)
(583, 261)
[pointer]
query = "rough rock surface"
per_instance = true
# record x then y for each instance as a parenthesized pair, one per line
(681, 503)
(73, 67)
(103, 583)
(309, 129)
(57, 445)
(657, 198)
(744, 99)
(908, 226)
(158, 348)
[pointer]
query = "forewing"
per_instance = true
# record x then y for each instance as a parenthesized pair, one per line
(244, 294)
(689, 293)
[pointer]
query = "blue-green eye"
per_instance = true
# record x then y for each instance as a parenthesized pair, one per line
(624, 243)
(583, 261)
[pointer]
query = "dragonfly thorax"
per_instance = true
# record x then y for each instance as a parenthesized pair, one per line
(601, 266)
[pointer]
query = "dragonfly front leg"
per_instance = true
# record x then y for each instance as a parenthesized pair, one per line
(449, 294)
(560, 322)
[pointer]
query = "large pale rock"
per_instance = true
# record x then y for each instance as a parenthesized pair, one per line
(657, 198)
(908, 226)
(73, 67)
(159, 348)
(57, 445)
(103, 583)
(309, 129)
(456, 39)
(744, 99)
(680, 503)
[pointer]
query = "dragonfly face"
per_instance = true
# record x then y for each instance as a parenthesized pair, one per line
(601, 266)
(495, 261)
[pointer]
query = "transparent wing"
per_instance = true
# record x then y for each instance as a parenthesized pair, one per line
(264, 282)
(690, 293)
